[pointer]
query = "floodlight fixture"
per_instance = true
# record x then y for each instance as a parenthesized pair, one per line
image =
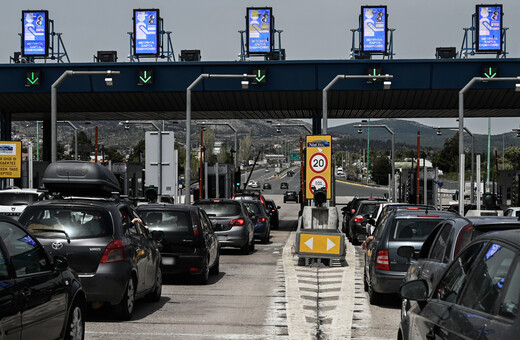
(387, 84)
(127, 127)
(245, 84)
(517, 87)
(439, 132)
(360, 131)
(278, 130)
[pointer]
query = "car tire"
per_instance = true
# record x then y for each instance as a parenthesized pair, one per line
(252, 246)
(284, 200)
(203, 277)
(365, 282)
(76, 322)
(246, 248)
(215, 270)
(155, 295)
(125, 308)
(265, 239)
(373, 297)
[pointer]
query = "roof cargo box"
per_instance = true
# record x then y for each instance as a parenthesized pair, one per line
(77, 178)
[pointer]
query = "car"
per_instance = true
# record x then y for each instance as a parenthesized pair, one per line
(253, 184)
(249, 195)
(384, 269)
(260, 218)
(190, 246)
(274, 214)
(385, 207)
(14, 201)
(349, 210)
(290, 196)
(284, 185)
(356, 230)
(232, 223)
(266, 169)
(477, 297)
(444, 244)
(512, 211)
(267, 186)
(290, 173)
(101, 235)
(41, 297)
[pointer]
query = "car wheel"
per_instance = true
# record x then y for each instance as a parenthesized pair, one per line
(365, 282)
(202, 278)
(76, 323)
(252, 246)
(215, 270)
(125, 308)
(374, 297)
(284, 200)
(405, 306)
(245, 248)
(265, 239)
(155, 295)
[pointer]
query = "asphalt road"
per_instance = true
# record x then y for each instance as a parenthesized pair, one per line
(263, 295)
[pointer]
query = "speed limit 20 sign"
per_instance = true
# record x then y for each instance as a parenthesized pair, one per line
(318, 164)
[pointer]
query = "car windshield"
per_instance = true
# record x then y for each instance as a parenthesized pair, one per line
(166, 220)
(220, 208)
(75, 222)
(413, 229)
(17, 198)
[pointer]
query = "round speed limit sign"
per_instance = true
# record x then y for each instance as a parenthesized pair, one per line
(318, 163)
(318, 182)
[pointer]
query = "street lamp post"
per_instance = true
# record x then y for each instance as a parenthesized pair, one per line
(393, 151)
(236, 140)
(75, 136)
(189, 89)
(159, 162)
(461, 126)
(438, 128)
(387, 84)
(54, 100)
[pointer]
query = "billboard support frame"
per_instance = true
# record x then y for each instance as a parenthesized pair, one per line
(358, 53)
(164, 49)
(55, 47)
(244, 51)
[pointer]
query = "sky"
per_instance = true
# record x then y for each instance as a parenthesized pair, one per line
(312, 29)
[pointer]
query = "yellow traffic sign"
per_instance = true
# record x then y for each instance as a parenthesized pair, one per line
(318, 164)
(320, 244)
(10, 159)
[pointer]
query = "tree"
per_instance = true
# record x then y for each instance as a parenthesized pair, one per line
(244, 150)
(512, 157)
(447, 159)
(224, 156)
(113, 154)
(84, 146)
(380, 169)
(138, 152)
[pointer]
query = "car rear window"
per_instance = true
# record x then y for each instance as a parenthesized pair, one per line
(167, 220)
(253, 207)
(77, 223)
(248, 197)
(218, 209)
(13, 198)
(368, 209)
(413, 229)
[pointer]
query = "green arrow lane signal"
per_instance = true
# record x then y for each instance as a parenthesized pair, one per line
(260, 76)
(491, 74)
(374, 71)
(32, 78)
(145, 77)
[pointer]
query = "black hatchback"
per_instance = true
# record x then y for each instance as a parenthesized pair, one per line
(40, 298)
(102, 238)
(189, 244)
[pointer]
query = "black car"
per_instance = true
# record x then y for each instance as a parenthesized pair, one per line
(350, 209)
(232, 223)
(356, 230)
(189, 244)
(267, 186)
(102, 238)
(40, 297)
(274, 214)
(384, 269)
(284, 185)
(444, 244)
(477, 297)
(290, 196)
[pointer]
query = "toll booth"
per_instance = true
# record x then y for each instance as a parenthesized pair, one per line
(407, 191)
(223, 188)
(508, 188)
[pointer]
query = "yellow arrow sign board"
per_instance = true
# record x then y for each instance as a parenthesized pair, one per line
(320, 244)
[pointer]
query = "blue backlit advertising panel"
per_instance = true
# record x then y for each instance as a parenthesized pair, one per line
(259, 30)
(373, 29)
(34, 33)
(489, 28)
(146, 32)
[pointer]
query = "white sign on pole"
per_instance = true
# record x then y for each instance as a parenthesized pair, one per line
(169, 175)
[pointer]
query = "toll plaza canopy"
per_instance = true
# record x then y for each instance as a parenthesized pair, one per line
(292, 89)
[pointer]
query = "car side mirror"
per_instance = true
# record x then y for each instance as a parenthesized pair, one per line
(406, 251)
(416, 290)
(372, 221)
(60, 263)
(158, 235)
(278, 207)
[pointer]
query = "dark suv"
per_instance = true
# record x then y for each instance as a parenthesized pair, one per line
(189, 245)
(356, 230)
(102, 238)
(384, 269)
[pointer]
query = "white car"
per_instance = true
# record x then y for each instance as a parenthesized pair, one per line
(14, 201)
(512, 211)
(253, 184)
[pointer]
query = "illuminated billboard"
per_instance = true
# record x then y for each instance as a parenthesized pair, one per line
(374, 26)
(259, 30)
(146, 32)
(489, 28)
(35, 35)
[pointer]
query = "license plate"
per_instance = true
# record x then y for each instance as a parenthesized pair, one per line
(168, 261)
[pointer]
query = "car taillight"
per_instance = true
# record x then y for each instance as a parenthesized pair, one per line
(359, 219)
(273, 210)
(115, 251)
(463, 239)
(237, 222)
(196, 230)
(382, 261)
(412, 208)
(353, 210)
(262, 200)
(261, 219)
